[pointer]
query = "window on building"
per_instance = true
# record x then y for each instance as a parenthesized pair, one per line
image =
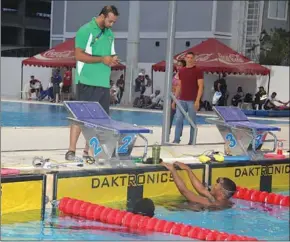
(10, 35)
(37, 38)
(9, 6)
(37, 9)
(278, 9)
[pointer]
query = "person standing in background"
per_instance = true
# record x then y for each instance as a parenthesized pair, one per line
(56, 80)
(189, 91)
(175, 82)
(121, 85)
(67, 80)
(95, 54)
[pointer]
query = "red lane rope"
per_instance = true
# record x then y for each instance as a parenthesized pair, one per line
(260, 196)
(107, 215)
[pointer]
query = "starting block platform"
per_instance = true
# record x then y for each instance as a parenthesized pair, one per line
(242, 137)
(108, 139)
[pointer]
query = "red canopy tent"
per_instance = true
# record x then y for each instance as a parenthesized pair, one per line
(61, 55)
(215, 57)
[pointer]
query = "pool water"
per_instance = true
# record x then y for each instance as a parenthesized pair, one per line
(17, 114)
(264, 222)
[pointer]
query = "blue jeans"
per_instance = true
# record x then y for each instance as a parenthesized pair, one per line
(188, 107)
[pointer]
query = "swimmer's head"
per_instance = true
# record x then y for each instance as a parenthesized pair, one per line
(145, 207)
(224, 188)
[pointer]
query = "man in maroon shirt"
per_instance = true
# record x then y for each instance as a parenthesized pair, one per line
(189, 91)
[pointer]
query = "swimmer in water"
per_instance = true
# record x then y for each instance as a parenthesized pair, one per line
(145, 207)
(216, 199)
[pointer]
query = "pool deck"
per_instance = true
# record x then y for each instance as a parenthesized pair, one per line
(20, 145)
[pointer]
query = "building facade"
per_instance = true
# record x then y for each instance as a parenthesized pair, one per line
(258, 16)
(25, 26)
(236, 23)
(195, 21)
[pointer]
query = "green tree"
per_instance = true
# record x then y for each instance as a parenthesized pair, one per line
(274, 47)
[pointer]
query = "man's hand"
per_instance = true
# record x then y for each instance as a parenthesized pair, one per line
(169, 166)
(182, 166)
(115, 60)
(110, 60)
(196, 105)
(173, 105)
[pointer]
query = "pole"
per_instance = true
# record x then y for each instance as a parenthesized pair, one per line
(21, 83)
(269, 79)
(152, 79)
(169, 71)
(132, 50)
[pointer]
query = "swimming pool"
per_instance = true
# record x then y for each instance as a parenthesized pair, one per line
(264, 222)
(17, 114)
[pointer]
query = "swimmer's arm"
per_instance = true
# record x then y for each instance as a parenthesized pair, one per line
(189, 195)
(195, 182)
(198, 186)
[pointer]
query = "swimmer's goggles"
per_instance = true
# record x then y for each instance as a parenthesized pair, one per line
(220, 181)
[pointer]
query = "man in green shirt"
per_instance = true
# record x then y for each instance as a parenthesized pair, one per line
(95, 54)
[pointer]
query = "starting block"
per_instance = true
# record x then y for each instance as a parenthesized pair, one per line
(109, 140)
(242, 137)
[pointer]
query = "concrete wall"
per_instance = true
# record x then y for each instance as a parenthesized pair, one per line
(11, 76)
(11, 79)
(224, 16)
(191, 15)
(279, 81)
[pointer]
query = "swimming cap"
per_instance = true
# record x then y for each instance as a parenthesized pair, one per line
(145, 207)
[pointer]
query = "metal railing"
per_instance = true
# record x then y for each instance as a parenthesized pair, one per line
(189, 120)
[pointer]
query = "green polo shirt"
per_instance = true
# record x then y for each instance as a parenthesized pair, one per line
(94, 42)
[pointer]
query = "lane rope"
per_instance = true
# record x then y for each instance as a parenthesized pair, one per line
(107, 215)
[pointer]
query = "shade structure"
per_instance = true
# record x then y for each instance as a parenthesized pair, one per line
(215, 57)
(61, 55)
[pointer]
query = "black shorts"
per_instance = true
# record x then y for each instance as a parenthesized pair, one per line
(56, 89)
(66, 89)
(94, 94)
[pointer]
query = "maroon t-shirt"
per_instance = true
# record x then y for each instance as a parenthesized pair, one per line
(189, 86)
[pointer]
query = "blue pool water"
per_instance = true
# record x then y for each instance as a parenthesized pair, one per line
(16, 114)
(264, 222)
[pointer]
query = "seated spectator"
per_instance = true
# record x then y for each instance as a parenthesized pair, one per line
(34, 87)
(248, 98)
(142, 101)
(121, 85)
(270, 103)
(48, 92)
(155, 99)
(260, 98)
(238, 98)
(139, 85)
(114, 90)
